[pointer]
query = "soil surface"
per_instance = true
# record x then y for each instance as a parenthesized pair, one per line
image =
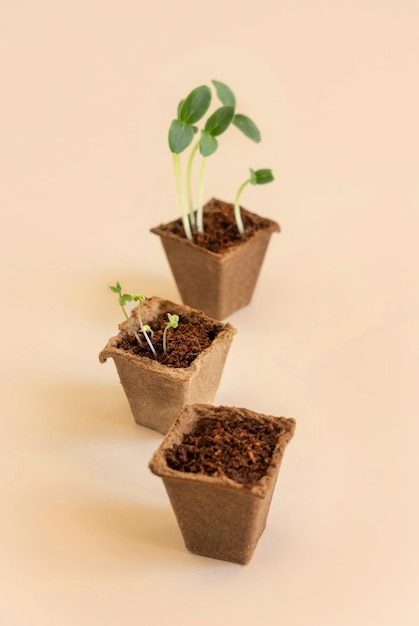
(238, 449)
(220, 228)
(184, 343)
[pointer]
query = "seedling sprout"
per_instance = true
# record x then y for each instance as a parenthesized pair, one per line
(122, 300)
(181, 135)
(257, 177)
(172, 323)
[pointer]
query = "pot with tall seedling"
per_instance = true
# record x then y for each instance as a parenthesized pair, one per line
(167, 355)
(216, 250)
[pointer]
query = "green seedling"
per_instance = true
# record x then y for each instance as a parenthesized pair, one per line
(257, 177)
(181, 135)
(144, 328)
(172, 323)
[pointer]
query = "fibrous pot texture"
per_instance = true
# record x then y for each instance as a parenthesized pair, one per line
(220, 282)
(157, 392)
(220, 503)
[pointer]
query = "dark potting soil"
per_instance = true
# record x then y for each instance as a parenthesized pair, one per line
(220, 228)
(184, 343)
(238, 449)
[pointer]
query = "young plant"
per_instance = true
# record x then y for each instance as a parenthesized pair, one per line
(172, 323)
(181, 134)
(257, 177)
(122, 301)
(217, 124)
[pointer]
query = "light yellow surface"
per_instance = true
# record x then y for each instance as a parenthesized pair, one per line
(88, 89)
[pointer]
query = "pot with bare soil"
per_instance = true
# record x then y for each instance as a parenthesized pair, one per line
(219, 466)
(216, 251)
(167, 355)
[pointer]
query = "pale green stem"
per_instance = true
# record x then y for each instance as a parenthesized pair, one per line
(237, 212)
(200, 212)
(178, 176)
(143, 330)
(189, 183)
(148, 341)
(131, 324)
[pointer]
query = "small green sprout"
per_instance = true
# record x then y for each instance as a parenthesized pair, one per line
(122, 300)
(172, 323)
(181, 134)
(257, 177)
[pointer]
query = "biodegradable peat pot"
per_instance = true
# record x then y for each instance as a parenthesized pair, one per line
(218, 515)
(222, 282)
(156, 392)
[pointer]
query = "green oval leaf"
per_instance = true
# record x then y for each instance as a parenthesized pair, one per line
(178, 107)
(124, 299)
(173, 320)
(219, 121)
(224, 94)
(208, 144)
(180, 136)
(261, 177)
(195, 105)
(247, 127)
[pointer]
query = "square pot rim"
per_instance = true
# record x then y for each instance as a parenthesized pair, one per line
(158, 464)
(271, 227)
(181, 373)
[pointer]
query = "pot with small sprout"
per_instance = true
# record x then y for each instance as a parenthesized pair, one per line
(167, 355)
(216, 251)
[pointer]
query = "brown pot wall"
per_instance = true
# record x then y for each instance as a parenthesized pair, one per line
(155, 392)
(217, 283)
(217, 516)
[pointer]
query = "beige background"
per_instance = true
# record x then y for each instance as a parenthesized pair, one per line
(88, 89)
